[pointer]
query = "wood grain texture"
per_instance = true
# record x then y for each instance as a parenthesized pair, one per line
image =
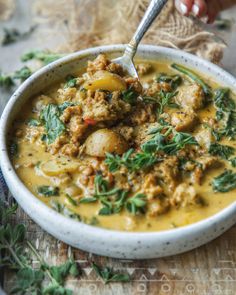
(210, 269)
(207, 270)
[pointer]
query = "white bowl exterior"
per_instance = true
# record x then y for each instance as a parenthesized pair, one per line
(97, 240)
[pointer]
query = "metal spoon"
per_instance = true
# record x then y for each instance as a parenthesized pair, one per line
(126, 61)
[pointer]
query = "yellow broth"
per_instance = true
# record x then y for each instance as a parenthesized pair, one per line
(32, 152)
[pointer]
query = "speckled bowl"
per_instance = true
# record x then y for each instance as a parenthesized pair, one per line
(98, 240)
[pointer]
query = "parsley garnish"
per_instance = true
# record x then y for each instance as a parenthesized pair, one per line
(108, 275)
(225, 182)
(130, 96)
(22, 74)
(52, 123)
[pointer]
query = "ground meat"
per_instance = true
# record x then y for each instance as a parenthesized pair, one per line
(150, 186)
(125, 131)
(143, 68)
(55, 147)
(190, 96)
(71, 111)
(203, 164)
(96, 106)
(70, 149)
(102, 63)
(158, 206)
(185, 195)
(157, 87)
(66, 94)
(134, 84)
(77, 128)
(168, 171)
(184, 120)
(204, 137)
(143, 113)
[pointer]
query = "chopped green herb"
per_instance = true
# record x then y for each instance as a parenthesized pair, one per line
(225, 114)
(52, 123)
(161, 142)
(13, 149)
(166, 101)
(136, 204)
(233, 162)
(130, 96)
(173, 80)
(33, 122)
(65, 105)
(48, 191)
(225, 182)
(108, 275)
(223, 151)
(45, 57)
(71, 200)
(17, 254)
(22, 74)
(193, 76)
(138, 161)
(70, 82)
(6, 81)
(13, 35)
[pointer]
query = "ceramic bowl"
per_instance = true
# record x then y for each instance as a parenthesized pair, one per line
(131, 245)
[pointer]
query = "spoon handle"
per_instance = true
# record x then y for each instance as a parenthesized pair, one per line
(151, 13)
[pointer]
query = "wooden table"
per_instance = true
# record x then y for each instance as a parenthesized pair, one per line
(208, 270)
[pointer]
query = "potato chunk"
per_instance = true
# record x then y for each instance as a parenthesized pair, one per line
(105, 141)
(106, 81)
(184, 121)
(58, 166)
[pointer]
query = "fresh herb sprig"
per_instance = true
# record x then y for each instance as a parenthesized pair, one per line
(47, 279)
(17, 256)
(12, 35)
(7, 81)
(108, 275)
(113, 200)
(130, 96)
(44, 56)
(132, 163)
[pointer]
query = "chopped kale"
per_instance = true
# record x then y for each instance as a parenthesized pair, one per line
(225, 182)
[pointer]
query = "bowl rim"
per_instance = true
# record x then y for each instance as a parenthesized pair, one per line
(11, 176)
